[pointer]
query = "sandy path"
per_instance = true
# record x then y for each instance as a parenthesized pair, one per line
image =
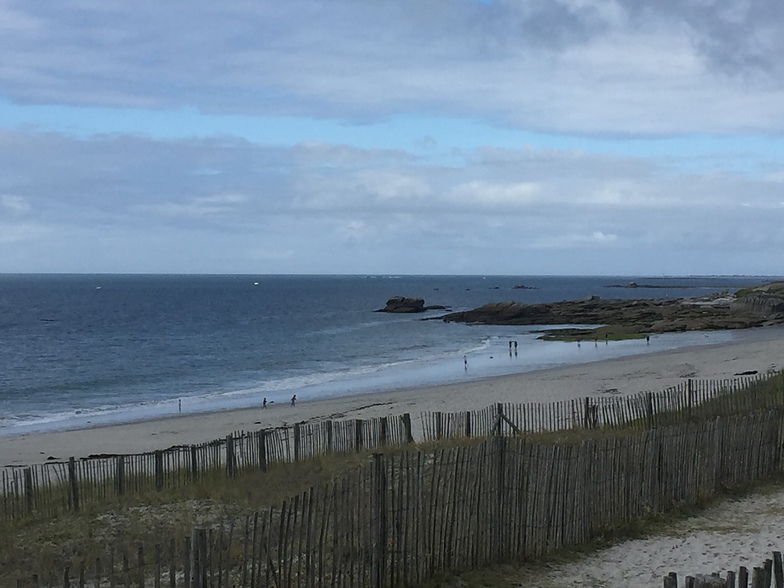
(735, 533)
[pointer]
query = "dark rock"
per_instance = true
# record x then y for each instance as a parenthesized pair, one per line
(404, 304)
(638, 316)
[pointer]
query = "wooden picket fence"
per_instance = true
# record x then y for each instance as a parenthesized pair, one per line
(690, 400)
(404, 517)
(54, 487)
(770, 573)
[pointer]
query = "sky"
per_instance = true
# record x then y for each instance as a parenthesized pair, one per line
(528, 137)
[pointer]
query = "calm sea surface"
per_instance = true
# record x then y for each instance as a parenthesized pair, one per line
(80, 350)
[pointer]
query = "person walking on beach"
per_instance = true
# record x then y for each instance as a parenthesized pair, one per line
(264, 404)
(294, 400)
(465, 363)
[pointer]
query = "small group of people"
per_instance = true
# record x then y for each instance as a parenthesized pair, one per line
(293, 401)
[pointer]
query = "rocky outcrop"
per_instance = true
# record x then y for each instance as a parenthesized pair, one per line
(656, 315)
(765, 300)
(404, 304)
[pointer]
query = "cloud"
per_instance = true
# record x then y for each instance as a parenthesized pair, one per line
(118, 203)
(199, 207)
(575, 241)
(615, 66)
(14, 205)
(13, 233)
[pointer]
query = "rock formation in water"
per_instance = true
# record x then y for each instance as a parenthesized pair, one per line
(403, 304)
(750, 307)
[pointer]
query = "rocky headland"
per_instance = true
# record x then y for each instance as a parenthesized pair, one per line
(614, 318)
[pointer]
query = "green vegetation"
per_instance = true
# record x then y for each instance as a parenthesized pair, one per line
(147, 518)
(743, 292)
(41, 543)
(597, 334)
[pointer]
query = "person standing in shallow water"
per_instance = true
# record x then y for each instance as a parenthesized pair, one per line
(294, 400)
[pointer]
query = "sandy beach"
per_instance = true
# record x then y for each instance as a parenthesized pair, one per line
(753, 350)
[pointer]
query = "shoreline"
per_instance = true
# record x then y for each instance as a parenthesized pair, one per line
(757, 350)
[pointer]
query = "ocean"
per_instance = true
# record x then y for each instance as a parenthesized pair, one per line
(87, 350)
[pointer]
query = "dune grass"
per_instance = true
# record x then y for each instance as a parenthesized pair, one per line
(151, 517)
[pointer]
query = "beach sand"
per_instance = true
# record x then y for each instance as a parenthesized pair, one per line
(734, 533)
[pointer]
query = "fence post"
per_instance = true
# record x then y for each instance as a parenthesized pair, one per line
(28, 478)
(382, 432)
(781, 373)
(262, 437)
(140, 566)
(231, 466)
(378, 569)
(297, 439)
(172, 563)
(689, 393)
(159, 470)
(407, 427)
(649, 406)
(500, 445)
(74, 483)
(188, 555)
(499, 418)
(439, 425)
(120, 462)
(329, 436)
(587, 415)
(778, 571)
(194, 462)
(198, 559)
(671, 580)
(468, 424)
(758, 578)
(358, 434)
(743, 577)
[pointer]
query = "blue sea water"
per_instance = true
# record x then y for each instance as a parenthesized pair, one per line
(84, 350)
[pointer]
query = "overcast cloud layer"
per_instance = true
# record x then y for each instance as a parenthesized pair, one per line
(549, 137)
